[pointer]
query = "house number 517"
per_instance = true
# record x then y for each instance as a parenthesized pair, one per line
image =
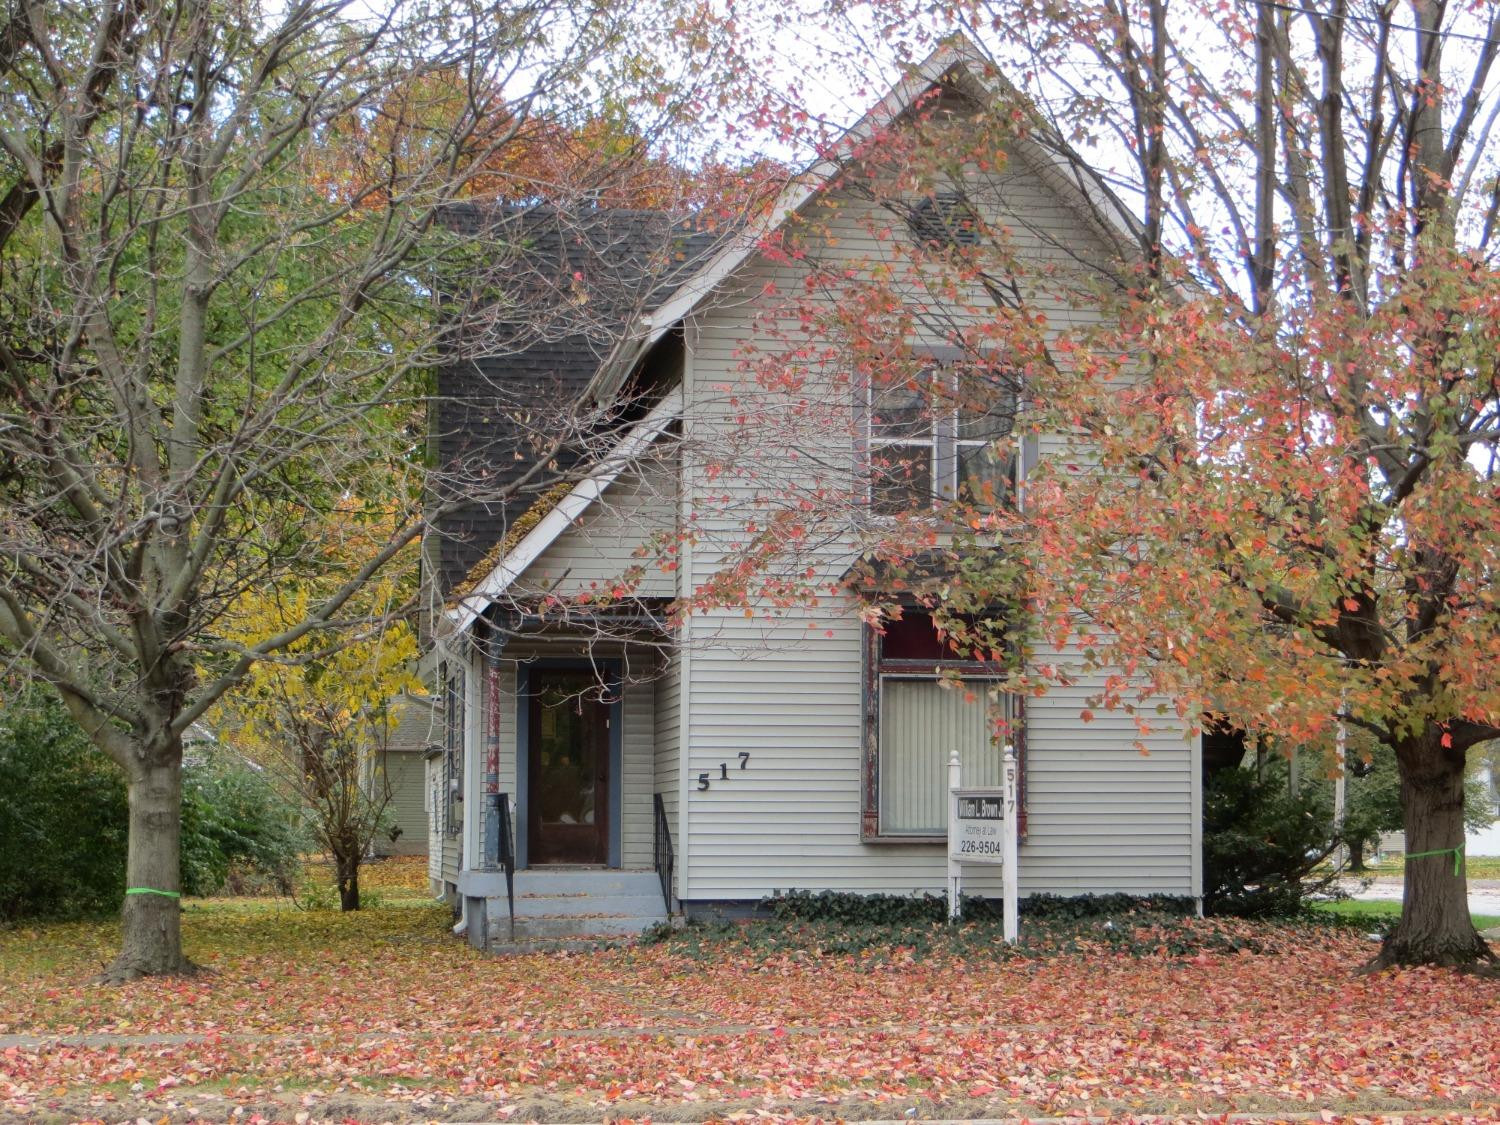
(703, 782)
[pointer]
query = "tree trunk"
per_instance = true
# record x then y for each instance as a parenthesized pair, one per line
(347, 865)
(1357, 854)
(1435, 927)
(151, 930)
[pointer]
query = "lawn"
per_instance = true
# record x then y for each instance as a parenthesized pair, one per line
(383, 1016)
(1475, 867)
(1390, 912)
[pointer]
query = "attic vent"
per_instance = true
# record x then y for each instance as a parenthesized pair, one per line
(943, 219)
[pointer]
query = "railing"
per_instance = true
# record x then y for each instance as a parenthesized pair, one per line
(662, 846)
(505, 851)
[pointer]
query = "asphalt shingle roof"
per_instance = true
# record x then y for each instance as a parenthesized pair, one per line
(555, 295)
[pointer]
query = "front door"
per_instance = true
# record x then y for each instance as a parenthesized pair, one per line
(567, 798)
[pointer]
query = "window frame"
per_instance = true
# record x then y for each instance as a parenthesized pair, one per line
(943, 441)
(454, 683)
(875, 672)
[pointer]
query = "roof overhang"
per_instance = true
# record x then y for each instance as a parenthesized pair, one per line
(566, 512)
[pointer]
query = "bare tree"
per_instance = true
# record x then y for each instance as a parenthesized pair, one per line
(221, 233)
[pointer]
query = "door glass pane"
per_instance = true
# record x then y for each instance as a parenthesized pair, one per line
(569, 769)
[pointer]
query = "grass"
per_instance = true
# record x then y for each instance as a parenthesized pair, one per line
(1388, 911)
(1475, 866)
(383, 1015)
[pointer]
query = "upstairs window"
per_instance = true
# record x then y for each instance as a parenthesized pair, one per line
(933, 439)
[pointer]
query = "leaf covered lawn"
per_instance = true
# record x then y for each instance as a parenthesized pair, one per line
(384, 1016)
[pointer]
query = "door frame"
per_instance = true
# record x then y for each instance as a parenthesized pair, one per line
(610, 671)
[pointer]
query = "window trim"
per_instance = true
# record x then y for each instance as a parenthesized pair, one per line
(873, 674)
(454, 682)
(942, 442)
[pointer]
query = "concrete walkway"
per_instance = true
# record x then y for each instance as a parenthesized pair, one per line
(1484, 894)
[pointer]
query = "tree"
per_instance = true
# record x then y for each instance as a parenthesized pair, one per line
(1276, 382)
(319, 718)
(205, 340)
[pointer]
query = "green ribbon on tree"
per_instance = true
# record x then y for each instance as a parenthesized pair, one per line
(1458, 857)
(151, 891)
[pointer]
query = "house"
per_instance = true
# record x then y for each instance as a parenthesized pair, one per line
(635, 758)
(400, 775)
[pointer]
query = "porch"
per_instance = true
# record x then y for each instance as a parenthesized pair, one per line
(568, 829)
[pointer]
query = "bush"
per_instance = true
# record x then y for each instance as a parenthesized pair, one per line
(62, 814)
(237, 831)
(64, 817)
(1262, 842)
(850, 909)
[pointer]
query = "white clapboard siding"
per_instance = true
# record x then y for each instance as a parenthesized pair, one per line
(607, 541)
(638, 770)
(667, 775)
(1102, 817)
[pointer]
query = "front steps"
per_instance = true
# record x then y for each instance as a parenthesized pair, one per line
(572, 907)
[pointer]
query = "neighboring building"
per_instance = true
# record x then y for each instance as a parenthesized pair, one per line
(401, 767)
(799, 750)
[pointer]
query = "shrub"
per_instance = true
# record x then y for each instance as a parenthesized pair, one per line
(1262, 842)
(237, 831)
(850, 909)
(64, 812)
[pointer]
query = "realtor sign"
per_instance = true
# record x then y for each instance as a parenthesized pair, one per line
(978, 834)
(982, 829)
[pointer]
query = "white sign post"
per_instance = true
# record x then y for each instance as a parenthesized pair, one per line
(955, 872)
(1009, 906)
(982, 829)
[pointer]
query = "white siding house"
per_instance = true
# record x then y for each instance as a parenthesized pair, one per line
(748, 726)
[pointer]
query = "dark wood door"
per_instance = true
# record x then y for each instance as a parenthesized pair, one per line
(567, 782)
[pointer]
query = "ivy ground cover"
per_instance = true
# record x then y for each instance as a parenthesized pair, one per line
(384, 1016)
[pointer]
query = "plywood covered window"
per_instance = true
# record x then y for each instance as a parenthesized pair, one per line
(925, 700)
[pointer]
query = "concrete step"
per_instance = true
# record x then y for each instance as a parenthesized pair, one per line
(574, 926)
(633, 905)
(586, 880)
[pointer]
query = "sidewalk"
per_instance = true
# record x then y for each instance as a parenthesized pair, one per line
(1484, 894)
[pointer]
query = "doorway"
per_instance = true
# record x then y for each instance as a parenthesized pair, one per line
(568, 776)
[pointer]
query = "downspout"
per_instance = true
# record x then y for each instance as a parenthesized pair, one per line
(462, 928)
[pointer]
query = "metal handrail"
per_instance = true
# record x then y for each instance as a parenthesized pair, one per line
(507, 856)
(662, 848)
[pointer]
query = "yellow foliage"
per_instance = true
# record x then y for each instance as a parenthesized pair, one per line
(338, 682)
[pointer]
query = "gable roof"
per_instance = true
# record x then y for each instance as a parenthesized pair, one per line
(958, 61)
(566, 511)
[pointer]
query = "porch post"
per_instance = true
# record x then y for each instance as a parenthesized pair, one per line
(489, 806)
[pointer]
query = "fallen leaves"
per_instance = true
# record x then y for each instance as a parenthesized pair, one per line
(386, 1006)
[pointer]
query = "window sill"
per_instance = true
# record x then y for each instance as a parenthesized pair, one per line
(896, 839)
